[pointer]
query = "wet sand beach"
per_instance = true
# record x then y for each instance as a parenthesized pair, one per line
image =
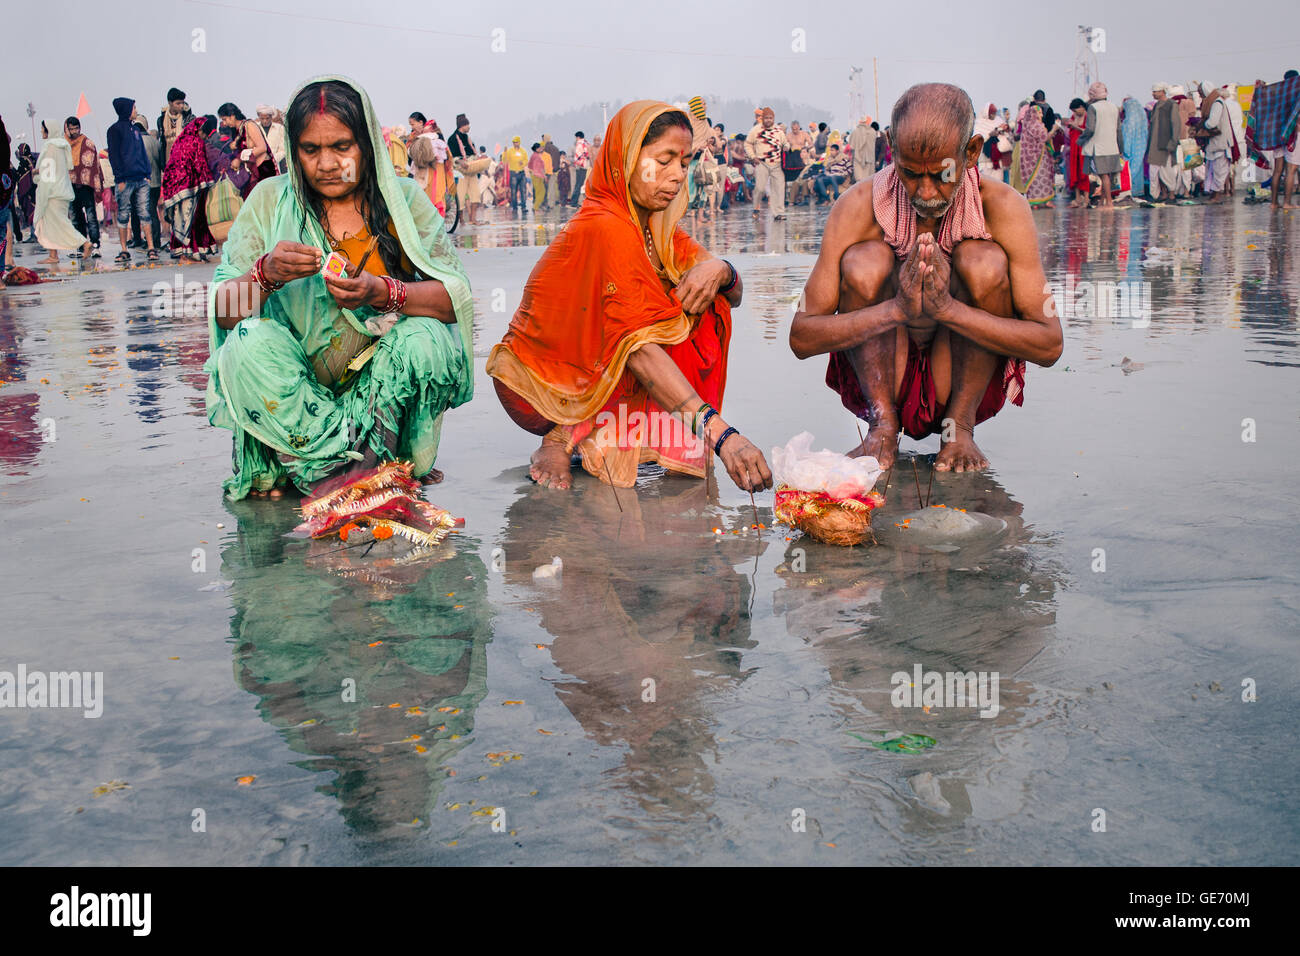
(1162, 447)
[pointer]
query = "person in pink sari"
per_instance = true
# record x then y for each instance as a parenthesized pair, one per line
(1037, 170)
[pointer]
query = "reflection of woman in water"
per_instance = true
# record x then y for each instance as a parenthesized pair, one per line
(644, 594)
(986, 606)
(305, 617)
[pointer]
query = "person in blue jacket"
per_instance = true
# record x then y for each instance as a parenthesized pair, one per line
(130, 162)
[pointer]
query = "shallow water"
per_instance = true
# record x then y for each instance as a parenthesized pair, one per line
(770, 659)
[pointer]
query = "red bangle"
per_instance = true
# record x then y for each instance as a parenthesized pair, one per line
(259, 276)
(396, 295)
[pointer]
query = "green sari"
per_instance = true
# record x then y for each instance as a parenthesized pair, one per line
(262, 382)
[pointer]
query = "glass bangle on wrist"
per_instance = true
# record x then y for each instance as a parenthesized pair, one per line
(695, 419)
(735, 276)
(396, 295)
(259, 276)
(704, 420)
(717, 446)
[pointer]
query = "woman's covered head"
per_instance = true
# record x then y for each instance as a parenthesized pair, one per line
(329, 138)
(663, 161)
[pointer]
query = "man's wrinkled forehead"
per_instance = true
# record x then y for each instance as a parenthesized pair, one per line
(922, 159)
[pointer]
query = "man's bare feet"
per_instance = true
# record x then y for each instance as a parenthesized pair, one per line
(550, 466)
(961, 454)
(49, 260)
(881, 444)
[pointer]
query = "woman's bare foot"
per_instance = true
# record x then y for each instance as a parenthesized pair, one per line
(50, 260)
(961, 454)
(881, 444)
(550, 466)
(273, 493)
(432, 478)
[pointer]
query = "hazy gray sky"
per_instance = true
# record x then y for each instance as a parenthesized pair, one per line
(437, 56)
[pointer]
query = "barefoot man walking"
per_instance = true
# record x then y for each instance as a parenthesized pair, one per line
(929, 293)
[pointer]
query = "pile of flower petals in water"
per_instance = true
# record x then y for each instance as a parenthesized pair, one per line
(382, 503)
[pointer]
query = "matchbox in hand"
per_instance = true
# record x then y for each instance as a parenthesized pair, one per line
(335, 265)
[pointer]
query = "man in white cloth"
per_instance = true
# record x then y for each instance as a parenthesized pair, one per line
(274, 133)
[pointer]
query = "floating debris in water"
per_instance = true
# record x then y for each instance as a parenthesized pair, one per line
(904, 744)
(549, 572)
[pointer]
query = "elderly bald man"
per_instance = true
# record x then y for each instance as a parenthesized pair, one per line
(929, 293)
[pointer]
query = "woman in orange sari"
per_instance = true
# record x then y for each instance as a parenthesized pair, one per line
(619, 348)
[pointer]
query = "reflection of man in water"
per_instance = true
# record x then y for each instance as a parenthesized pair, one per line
(928, 292)
(987, 606)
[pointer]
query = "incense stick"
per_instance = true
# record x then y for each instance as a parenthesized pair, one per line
(365, 257)
(929, 485)
(605, 461)
(755, 507)
(918, 483)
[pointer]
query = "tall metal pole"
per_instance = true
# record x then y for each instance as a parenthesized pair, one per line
(875, 81)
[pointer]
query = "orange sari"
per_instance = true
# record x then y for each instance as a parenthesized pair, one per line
(592, 300)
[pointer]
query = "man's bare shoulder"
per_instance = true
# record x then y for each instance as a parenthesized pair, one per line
(1004, 208)
(854, 213)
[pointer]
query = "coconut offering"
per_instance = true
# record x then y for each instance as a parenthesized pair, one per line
(825, 494)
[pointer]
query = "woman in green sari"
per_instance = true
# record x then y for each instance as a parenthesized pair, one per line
(327, 375)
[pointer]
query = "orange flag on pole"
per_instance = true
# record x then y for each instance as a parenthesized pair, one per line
(82, 106)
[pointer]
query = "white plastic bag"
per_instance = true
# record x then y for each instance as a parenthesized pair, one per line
(799, 467)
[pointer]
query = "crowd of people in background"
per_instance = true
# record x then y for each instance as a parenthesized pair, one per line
(1181, 146)
(184, 175)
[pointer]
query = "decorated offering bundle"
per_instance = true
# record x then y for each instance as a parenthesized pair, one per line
(383, 502)
(825, 494)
